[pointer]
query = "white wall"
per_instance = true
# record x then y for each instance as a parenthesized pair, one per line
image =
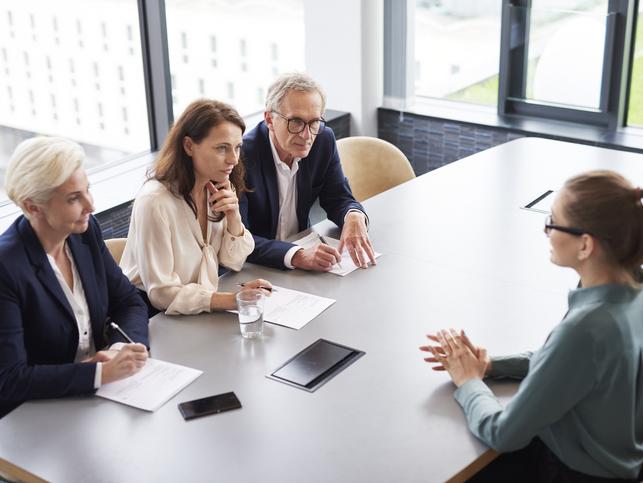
(344, 53)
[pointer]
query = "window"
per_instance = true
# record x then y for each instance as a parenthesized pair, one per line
(51, 79)
(231, 48)
(565, 47)
(457, 48)
(635, 109)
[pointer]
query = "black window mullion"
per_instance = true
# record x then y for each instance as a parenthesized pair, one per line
(156, 67)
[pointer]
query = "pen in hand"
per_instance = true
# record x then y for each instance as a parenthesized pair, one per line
(115, 326)
(323, 240)
(269, 289)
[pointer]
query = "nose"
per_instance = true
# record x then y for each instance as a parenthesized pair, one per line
(88, 203)
(233, 157)
(306, 134)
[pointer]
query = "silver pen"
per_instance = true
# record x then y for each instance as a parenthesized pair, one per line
(115, 326)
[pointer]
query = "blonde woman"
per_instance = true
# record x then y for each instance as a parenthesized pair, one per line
(59, 284)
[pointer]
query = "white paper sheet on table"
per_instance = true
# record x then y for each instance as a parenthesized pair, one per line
(152, 386)
(292, 308)
(347, 265)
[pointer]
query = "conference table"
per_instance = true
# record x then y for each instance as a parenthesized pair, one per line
(458, 251)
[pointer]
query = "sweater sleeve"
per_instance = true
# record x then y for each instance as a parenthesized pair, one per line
(512, 367)
(560, 375)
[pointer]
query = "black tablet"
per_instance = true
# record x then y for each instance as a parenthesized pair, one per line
(315, 365)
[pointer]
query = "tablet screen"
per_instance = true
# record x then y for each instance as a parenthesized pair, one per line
(312, 362)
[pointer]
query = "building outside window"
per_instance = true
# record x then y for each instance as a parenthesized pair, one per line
(457, 50)
(48, 82)
(232, 47)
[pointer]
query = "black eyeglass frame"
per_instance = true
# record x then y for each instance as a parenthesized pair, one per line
(565, 229)
(289, 120)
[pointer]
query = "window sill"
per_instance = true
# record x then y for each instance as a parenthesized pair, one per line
(627, 139)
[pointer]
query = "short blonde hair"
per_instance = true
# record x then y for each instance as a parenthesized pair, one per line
(40, 165)
(292, 81)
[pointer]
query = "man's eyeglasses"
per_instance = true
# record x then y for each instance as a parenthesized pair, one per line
(549, 226)
(296, 125)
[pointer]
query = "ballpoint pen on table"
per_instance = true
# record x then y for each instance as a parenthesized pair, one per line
(115, 326)
(269, 289)
(323, 240)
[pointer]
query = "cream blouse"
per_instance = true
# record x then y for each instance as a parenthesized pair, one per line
(166, 255)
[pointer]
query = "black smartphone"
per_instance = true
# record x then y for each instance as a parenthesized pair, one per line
(209, 405)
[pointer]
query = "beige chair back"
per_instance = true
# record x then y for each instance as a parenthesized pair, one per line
(372, 165)
(116, 247)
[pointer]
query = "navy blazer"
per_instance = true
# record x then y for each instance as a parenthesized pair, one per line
(38, 330)
(320, 176)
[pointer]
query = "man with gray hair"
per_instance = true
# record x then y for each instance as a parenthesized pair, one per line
(291, 160)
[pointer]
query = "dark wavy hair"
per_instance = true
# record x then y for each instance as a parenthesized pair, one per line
(174, 167)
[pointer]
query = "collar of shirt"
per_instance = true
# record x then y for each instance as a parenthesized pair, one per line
(611, 293)
(78, 302)
(287, 224)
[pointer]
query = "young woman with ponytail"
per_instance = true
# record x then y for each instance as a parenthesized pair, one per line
(578, 414)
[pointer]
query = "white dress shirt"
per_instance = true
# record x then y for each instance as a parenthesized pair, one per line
(166, 254)
(78, 302)
(287, 224)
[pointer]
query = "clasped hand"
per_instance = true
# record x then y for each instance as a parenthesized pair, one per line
(457, 355)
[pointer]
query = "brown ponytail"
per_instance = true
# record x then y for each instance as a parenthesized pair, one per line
(609, 207)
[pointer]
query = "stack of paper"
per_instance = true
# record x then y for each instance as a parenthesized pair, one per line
(292, 308)
(152, 386)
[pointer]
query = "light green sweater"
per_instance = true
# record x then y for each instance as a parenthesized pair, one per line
(582, 392)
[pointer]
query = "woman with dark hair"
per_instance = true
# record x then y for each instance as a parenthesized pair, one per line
(186, 221)
(578, 414)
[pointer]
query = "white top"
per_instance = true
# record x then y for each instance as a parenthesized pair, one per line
(287, 224)
(78, 302)
(166, 255)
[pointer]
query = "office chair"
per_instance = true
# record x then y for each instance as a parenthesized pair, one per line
(116, 247)
(372, 165)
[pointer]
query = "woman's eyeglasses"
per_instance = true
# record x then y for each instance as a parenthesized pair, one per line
(550, 225)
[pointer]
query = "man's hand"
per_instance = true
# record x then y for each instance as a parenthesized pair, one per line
(320, 258)
(355, 240)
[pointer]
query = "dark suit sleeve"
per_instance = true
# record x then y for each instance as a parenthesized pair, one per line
(125, 306)
(336, 197)
(20, 380)
(267, 252)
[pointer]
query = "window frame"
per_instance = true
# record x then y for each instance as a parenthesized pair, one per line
(611, 116)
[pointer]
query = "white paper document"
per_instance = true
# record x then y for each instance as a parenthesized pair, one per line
(346, 265)
(292, 308)
(152, 386)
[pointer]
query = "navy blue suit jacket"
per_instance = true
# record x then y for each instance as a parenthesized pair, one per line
(320, 176)
(38, 330)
